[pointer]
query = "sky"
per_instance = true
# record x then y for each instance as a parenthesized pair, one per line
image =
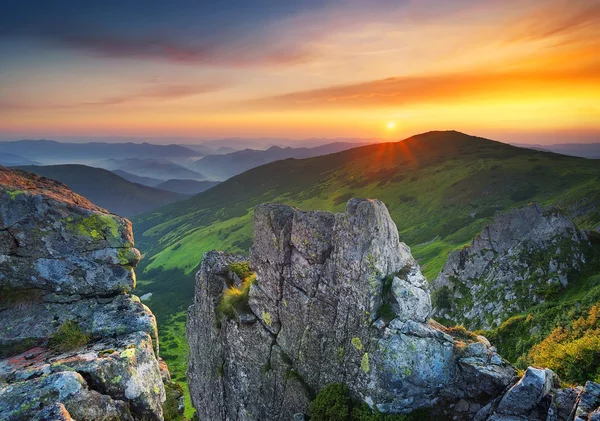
(513, 70)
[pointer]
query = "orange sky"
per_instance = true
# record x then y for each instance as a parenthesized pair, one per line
(509, 69)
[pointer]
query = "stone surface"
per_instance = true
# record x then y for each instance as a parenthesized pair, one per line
(523, 257)
(65, 262)
(337, 298)
(55, 240)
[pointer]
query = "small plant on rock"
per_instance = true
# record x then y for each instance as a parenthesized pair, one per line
(69, 336)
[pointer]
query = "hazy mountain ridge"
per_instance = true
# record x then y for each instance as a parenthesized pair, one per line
(189, 187)
(107, 189)
(158, 168)
(226, 166)
(583, 150)
(59, 151)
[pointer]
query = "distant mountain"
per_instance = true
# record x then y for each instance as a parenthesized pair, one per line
(106, 189)
(186, 186)
(158, 168)
(146, 181)
(222, 167)
(50, 151)
(262, 143)
(10, 159)
(583, 150)
(200, 148)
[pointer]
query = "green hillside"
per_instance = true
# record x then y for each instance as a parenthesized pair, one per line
(440, 188)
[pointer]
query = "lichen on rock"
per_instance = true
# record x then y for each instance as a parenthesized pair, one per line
(325, 281)
(74, 341)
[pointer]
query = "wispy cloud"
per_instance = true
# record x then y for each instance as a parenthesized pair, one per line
(559, 18)
(182, 52)
(399, 91)
(152, 94)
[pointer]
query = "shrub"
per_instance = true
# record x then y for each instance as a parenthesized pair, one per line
(441, 298)
(173, 392)
(331, 404)
(68, 336)
(461, 332)
(572, 352)
(241, 269)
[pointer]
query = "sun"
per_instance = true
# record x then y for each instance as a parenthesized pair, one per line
(391, 125)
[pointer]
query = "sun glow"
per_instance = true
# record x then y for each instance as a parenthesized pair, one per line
(391, 125)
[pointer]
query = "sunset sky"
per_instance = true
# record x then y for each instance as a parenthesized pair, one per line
(514, 70)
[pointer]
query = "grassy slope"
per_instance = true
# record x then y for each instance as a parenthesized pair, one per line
(440, 188)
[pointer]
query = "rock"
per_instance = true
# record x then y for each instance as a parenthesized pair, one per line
(67, 264)
(57, 241)
(337, 298)
(23, 400)
(54, 412)
(524, 396)
(528, 253)
(588, 401)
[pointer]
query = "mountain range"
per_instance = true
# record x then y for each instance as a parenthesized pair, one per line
(583, 150)
(156, 168)
(222, 167)
(49, 151)
(107, 189)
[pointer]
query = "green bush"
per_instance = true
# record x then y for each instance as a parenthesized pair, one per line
(331, 404)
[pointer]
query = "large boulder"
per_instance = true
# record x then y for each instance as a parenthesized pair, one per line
(337, 298)
(524, 257)
(74, 343)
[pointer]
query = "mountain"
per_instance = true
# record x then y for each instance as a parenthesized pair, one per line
(583, 150)
(49, 151)
(146, 181)
(158, 168)
(10, 159)
(441, 189)
(190, 187)
(106, 189)
(222, 167)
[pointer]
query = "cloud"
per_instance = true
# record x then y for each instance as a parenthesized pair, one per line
(153, 94)
(560, 18)
(181, 52)
(398, 91)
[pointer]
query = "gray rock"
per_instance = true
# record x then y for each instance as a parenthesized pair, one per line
(588, 400)
(67, 388)
(62, 259)
(323, 280)
(481, 281)
(524, 396)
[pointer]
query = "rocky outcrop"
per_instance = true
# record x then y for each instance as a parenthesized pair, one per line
(74, 344)
(337, 298)
(522, 258)
(537, 396)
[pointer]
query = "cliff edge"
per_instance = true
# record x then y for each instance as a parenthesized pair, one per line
(74, 343)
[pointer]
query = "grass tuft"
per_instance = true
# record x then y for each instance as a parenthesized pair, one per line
(69, 336)
(235, 299)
